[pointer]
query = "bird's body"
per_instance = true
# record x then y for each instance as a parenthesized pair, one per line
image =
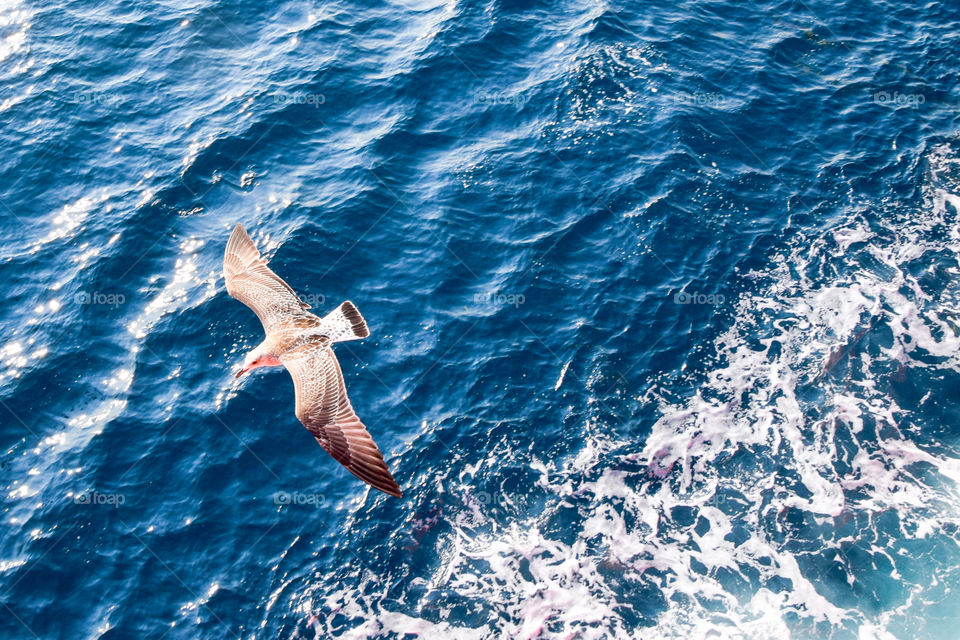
(301, 342)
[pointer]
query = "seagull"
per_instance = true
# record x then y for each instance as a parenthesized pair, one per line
(301, 342)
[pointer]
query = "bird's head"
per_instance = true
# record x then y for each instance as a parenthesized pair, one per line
(259, 356)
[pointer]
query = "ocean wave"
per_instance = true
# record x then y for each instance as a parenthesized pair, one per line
(786, 496)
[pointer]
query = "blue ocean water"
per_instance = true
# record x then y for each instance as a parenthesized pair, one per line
(664, 300)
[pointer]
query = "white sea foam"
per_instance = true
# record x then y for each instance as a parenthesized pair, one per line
(791, 438)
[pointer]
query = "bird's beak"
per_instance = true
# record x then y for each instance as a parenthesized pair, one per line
(241, 372)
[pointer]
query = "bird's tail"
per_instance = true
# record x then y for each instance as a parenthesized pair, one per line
(344, 323)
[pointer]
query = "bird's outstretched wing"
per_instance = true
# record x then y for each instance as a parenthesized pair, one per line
(251, 281)
(325, 410)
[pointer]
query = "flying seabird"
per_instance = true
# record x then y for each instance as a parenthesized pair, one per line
(301, 342)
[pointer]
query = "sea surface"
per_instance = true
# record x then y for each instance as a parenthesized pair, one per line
(664, 301)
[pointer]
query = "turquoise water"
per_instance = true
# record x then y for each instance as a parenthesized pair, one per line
(664, 302)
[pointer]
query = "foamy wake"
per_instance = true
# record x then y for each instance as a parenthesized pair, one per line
(793, 453)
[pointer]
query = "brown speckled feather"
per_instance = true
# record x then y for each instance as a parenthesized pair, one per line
(301, 342)
(324, 409)
(253, 283)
